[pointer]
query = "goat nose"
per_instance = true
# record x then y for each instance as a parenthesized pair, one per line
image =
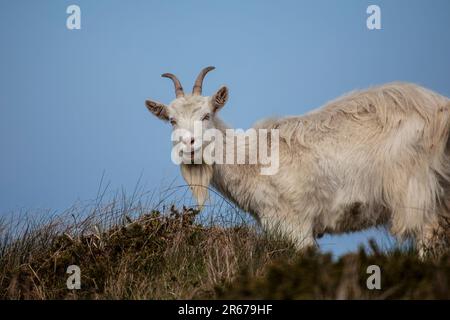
(188, 140)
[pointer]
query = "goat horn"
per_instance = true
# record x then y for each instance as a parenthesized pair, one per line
(197, 90)
(178, 88)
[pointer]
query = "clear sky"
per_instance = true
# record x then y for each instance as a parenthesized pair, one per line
(72, 101)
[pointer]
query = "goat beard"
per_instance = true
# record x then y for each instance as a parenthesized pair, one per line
(198, 177)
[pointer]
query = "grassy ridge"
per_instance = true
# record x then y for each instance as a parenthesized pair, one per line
(154, 256)
(172, 256)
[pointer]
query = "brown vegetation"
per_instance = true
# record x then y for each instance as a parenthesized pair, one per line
(172, 256)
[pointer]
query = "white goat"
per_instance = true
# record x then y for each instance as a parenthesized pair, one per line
(373, 157)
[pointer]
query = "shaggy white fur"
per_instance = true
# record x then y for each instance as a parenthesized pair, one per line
(373, 157)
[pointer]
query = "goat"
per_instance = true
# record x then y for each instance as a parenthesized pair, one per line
(370, 158)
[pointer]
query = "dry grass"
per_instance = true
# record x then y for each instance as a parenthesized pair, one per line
(154, 256)
(128, 252)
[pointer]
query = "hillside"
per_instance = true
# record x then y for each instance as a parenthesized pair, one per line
(173, 256)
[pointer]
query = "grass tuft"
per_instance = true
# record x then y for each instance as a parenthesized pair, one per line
(128, 252)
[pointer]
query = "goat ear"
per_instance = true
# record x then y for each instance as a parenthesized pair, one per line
(219, 98)
(158, 109)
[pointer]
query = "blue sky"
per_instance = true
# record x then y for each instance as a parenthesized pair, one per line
(72, 102)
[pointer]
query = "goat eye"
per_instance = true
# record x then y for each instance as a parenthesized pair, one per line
(206, 117)
(173, 122)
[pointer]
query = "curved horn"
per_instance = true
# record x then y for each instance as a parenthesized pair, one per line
(197, 90)
(178, 88)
